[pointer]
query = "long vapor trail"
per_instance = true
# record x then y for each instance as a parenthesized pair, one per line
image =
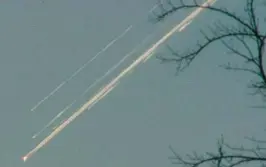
(98, 80)
(81, 68)
(103, 92)
(35, 107)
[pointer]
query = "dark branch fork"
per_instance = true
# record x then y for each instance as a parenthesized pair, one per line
(236, 156)
(246, 29)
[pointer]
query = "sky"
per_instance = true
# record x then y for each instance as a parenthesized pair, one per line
(44, 42)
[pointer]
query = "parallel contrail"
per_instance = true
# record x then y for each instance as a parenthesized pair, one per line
(81, 68)
(91, 86)
(49, 123)
(84, 65)
(103, 92)
(98, 80)
(91, 103)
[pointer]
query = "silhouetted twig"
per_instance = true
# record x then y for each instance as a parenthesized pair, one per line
(245, 30)
(226, 156)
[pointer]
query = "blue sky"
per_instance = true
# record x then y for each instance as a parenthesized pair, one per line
(43, 43)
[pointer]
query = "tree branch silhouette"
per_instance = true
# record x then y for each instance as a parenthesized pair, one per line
(245, 29)
(226, 155)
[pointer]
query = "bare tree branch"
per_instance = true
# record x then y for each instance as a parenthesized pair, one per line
(226, 156)
(246, 31)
